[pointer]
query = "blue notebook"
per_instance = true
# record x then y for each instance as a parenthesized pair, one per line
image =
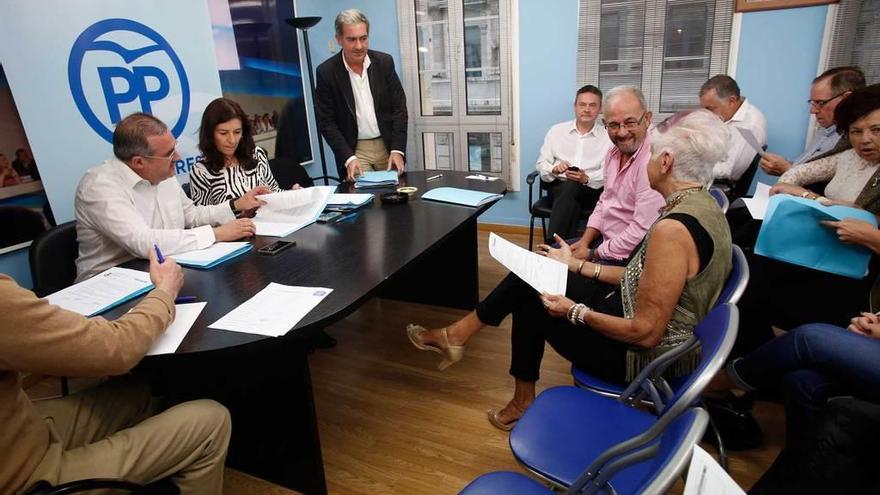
(210, 257)
(791, 232)
(458, 196)
(384, 178)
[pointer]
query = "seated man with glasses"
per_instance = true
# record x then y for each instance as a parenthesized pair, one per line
(628, 206)
(721, 96)
(133, 201)
(829, 89)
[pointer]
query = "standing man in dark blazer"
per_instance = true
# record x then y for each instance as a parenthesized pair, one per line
(360, 105)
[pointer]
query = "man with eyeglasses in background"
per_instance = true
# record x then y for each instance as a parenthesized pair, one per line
(628, 206)
(133, 201)
(829, 89)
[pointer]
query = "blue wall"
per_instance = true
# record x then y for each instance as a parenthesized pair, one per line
(778, 59)
(547, 84)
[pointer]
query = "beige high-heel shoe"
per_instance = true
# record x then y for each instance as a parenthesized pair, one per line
(451, 353)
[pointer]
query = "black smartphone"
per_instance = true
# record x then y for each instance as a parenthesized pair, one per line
(573, 168)
(328, 216)
(276, 247)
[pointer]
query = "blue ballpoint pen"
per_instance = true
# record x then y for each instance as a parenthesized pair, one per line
(185, 299)
(346, 217)
(159, 257)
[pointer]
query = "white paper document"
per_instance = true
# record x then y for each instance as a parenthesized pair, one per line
(541, 272)
(487, 178)
(706, 477)
(185, 316)
(751, 140)
(757, 204)
(210, 255)
(273, 311)
(103, 291)
(286, 212)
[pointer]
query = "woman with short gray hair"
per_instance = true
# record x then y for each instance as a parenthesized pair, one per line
(628, 315)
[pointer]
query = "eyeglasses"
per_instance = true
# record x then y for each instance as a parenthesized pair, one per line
(822, 103)
(629, 124)
(169, 158)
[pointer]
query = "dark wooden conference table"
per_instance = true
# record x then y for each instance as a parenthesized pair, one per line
(400, 251)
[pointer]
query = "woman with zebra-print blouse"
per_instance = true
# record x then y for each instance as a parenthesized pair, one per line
(233, 168)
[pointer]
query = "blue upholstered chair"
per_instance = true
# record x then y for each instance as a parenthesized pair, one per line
(721, 198)
(567, 428)
(668, 458)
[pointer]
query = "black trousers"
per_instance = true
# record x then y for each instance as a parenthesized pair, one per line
(532, 326)
(785, 295)
(569, 200)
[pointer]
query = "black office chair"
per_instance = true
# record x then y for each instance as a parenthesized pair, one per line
(540, 208)
(20, 224)
(52, 257)
(287, 172)
(739, 188)
(162, 487)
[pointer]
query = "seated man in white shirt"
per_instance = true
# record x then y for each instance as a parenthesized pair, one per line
(828, 90)
(720, 95)
(133, 201)
(572, 162)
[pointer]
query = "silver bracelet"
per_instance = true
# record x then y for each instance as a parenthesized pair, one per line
(583, 313)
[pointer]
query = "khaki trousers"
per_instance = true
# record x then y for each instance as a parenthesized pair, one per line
(108, 432)
(371, 154)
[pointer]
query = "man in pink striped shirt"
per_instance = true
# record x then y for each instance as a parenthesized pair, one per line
(628, 206)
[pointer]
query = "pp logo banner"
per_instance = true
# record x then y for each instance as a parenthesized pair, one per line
(135, 68)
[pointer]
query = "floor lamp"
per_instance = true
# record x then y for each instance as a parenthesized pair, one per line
(303, 24)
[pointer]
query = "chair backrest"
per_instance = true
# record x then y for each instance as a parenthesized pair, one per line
(741, 188)
(53, 259)
(720, 198)
(736, 282)
(288, 172)
(186, 188)
(664, 460)
(716, 334)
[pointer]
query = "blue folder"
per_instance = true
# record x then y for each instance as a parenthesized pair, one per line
(383, 178)
(206, 265)
(458, 196)
(791, 232)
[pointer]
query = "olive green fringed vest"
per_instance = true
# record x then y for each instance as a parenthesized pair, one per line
(699, 294)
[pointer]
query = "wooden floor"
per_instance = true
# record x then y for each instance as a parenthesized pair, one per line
(391, 423)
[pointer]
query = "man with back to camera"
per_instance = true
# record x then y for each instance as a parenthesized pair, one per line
(110, 430)
(133, 201)
(828, 90)
(360, 105)
(721, 96)
(572, 163)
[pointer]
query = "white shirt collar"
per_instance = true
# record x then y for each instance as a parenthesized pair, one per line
(741, 112)
(366, 65)
(573, 128)
(128, 176)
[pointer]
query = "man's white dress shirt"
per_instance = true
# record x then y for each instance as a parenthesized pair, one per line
(364, 108)
(739, 153)
(120, 216)
(587, 151)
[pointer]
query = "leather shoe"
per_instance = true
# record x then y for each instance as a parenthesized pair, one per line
(451, 353)
(733, 418)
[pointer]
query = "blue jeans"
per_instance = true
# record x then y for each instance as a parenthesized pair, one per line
(811, 364)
